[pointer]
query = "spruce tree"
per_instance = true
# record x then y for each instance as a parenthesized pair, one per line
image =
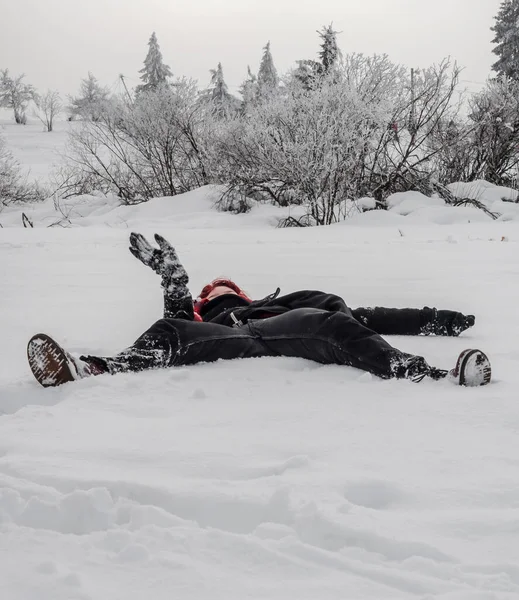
(330, 52)
(506, 29)
(91, 101)
(154, 72)
(310, 72)
(267, 75)
(223, 102)
(248, 90)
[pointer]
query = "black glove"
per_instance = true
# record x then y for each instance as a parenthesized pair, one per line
(447, 322)
(178, 302)
(458, 323)
(163, 260)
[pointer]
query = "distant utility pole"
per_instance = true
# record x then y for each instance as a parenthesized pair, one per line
(121, 77)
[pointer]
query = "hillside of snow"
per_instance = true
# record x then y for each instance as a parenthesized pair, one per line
(261, 478)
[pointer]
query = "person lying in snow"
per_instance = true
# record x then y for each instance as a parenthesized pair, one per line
(223, 322)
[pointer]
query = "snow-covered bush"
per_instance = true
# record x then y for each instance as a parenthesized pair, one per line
(421, 103)
(305, 147)
(363, 131)
(486, 144)
(152, 147)
(14, 187)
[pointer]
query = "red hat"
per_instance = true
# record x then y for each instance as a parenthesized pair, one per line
(207, 289)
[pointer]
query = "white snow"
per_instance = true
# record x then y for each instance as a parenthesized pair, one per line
(38, 151)
(260, 478)
(496, 198)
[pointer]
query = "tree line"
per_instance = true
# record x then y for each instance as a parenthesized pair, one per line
(333, 129)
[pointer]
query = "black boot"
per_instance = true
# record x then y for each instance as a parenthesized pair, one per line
(52, 365)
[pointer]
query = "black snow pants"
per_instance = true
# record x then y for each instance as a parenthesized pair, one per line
(327, 337)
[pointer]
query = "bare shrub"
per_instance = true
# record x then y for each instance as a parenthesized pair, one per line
(49, 107)
(14, 187)
(153, 147)
(405, 159)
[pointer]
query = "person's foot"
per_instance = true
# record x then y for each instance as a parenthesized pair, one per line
(472, 369)
(51, 365)
(414, 368)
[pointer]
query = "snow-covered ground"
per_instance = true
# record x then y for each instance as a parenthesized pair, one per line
(262, 478)
(38, 151)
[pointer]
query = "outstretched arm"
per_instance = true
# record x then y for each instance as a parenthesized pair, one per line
(414, 321)
(164, 260)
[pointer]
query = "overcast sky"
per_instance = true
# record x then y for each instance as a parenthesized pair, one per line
(56, 42)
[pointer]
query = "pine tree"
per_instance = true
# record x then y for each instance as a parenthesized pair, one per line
(154, 72)
(224, 104)
(310, 72)
(506, 29)
(248, 90)
(91, 101)
(330, 52)
(267, 75)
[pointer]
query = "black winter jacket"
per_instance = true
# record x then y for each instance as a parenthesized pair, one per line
(232, 311)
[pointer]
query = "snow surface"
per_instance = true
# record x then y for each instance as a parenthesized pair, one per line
(260, 478)
(37, 151)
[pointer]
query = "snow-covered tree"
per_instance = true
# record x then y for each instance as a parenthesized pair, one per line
(256, 88)
(49, 106)
(224, 104)
(16, 94)
(329, 53)
(310, 72)
(268, 79)
(91, 101)
(154, 73)
(495, 135)
(506, 38)
(249, 90)
(486, 144)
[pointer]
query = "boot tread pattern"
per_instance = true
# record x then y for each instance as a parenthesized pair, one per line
(48, 361)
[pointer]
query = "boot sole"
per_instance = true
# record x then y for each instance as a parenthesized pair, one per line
(48, 361)
(482, 362)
